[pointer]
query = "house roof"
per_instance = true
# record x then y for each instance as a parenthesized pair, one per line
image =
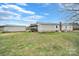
(48, 23)
(66, 23)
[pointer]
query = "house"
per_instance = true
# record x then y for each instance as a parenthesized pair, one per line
(66, 27)
(52, 27)
(1, 28)
(76, 26)
(48, 27)
(45, 27)
(12, 28)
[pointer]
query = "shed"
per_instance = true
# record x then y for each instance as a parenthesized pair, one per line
(12, 28)
(67, 27)
(48, 27)
(52, 27)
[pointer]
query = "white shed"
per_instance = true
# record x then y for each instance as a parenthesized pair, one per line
(67, 27)
(52, 27)
(48, 27)
(12, 28)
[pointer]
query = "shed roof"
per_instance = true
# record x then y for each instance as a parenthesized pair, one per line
(48, 23)
(66, 23)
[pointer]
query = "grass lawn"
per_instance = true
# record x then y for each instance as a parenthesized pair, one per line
(33, 43)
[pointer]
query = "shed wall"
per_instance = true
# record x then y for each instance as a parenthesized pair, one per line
(48, 28)
(67, 28)
(14, 28)
(1, 28)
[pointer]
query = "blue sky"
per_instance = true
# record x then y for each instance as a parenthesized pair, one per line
(27, 13)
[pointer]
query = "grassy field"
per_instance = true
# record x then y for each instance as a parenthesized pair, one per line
(39, 44)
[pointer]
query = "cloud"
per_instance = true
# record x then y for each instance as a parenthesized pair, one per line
(69, 6)
(8, 15)
(45, 4)
(18, 9)
(61, 5)
(46, 14)
(23, 4)
(3, 6)
(33, 18)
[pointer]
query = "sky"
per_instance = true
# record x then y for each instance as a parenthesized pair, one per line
(27, 13)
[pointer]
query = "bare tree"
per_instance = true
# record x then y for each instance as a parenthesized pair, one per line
(73, 9)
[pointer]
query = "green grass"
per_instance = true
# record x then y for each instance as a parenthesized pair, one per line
(39, 44)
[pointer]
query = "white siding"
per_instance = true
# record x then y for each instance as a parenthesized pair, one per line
(67, 28)
(1, 28)
(47, 28)
(14, 28)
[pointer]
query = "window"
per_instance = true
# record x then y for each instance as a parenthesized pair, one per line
(56, 26)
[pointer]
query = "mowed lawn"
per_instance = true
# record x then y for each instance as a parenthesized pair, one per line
(39, 44)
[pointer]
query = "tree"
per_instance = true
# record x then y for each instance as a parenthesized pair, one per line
(73, 9)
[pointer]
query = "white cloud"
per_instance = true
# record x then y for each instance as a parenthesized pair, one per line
(45, 4)
(20, 9)
(11, 15)
(3, 6)
(69, 6)
(8, 15)
(46, 14)
(11, 6)
(60, 5)
(33, 18)
(15, 16)
(23, 4)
